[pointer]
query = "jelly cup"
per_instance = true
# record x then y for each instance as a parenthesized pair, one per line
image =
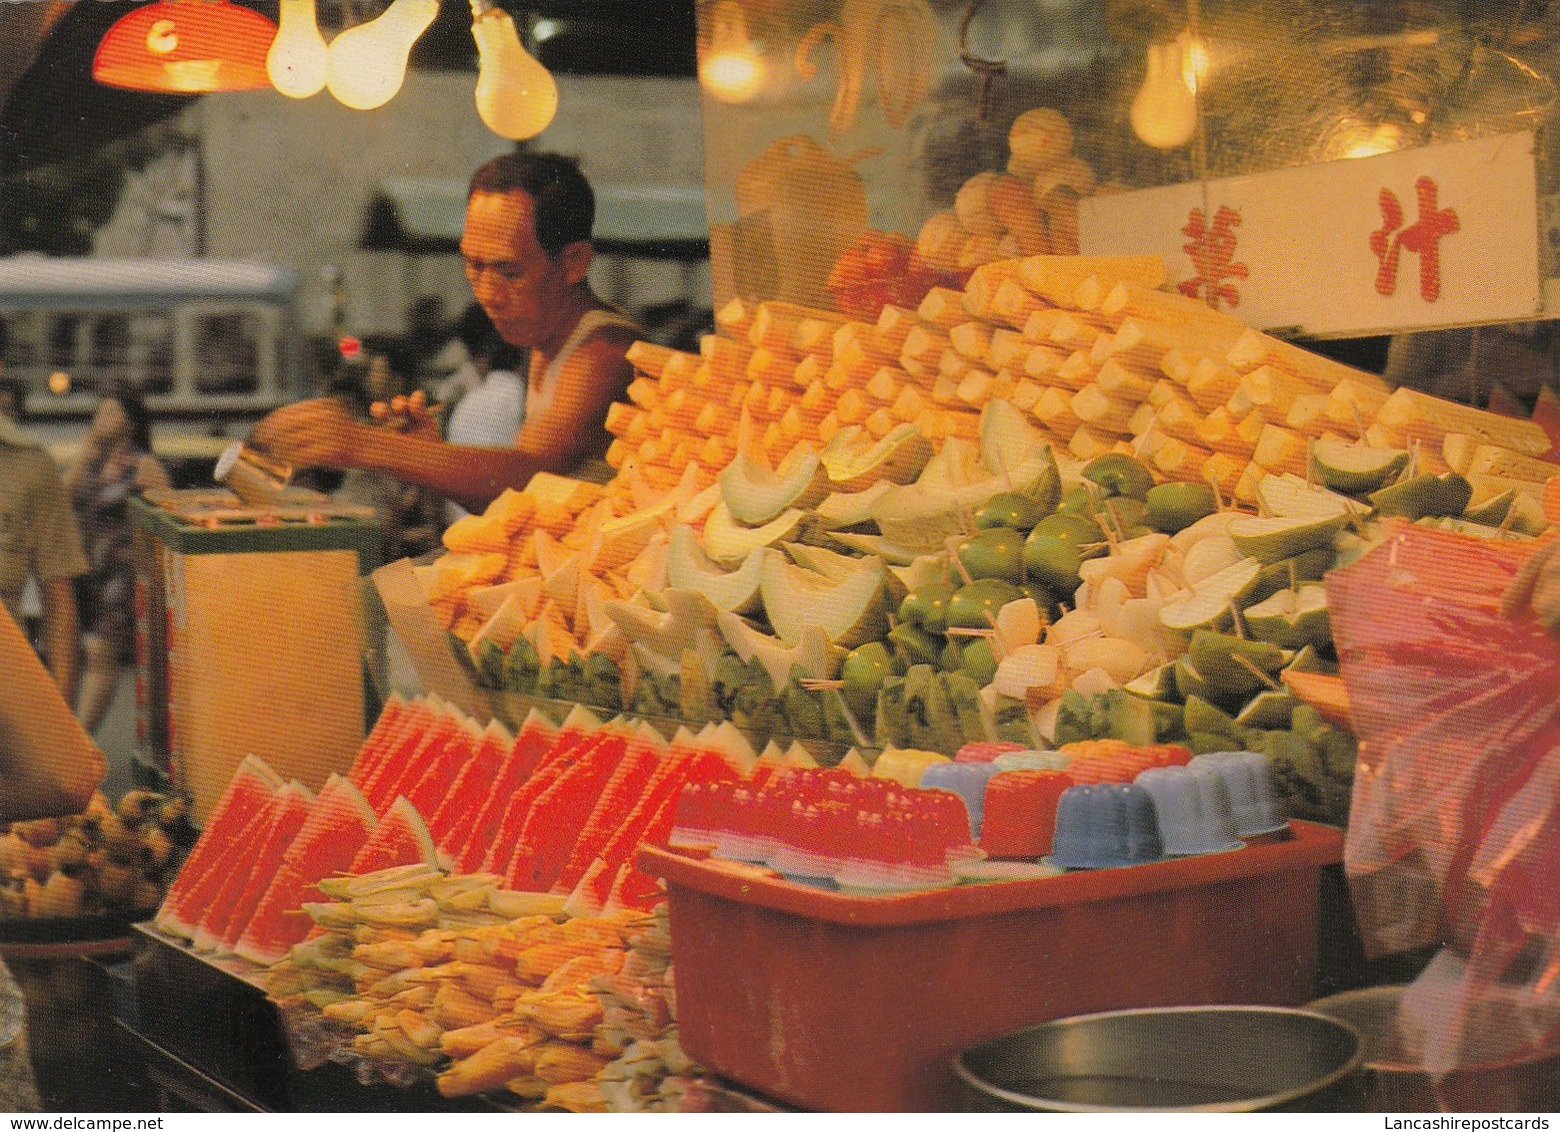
(1248, 777)
(1192, 806)
(1105, 826)
(968, 781)
(1031, 760)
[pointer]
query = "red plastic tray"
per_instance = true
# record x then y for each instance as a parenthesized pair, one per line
(858, 1004)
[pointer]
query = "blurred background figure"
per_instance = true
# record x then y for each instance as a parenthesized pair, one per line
(491, 405)
(116, 462)
(38, 537)
(434, 348)
(409, 515)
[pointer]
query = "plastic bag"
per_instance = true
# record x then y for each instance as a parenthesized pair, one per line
(1454, 835)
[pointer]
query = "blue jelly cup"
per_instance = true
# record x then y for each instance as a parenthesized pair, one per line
(968, 781)
(1248, 777)
(1192, 805)
(1105, 826)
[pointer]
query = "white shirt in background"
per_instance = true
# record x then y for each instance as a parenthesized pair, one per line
(489, 417)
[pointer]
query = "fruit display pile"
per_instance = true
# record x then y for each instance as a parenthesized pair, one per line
(107, 860)
(1060, 503)
(492, 990)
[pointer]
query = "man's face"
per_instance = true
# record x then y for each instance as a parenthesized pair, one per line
(517, 283)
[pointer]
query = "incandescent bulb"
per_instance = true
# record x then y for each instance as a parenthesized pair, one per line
(1164, 112)
(731, 69)
(516, 96)
(298, 57)
(367, 64)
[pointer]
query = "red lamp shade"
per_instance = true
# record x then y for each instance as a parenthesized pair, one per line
(186, 47)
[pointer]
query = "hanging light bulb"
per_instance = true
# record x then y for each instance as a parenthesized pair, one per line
(731, 69)
(298, 56)
(185, 47)
(516, 96)
(1164, 112)
(367, 64)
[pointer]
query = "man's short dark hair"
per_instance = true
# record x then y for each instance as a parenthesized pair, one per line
(565, 203)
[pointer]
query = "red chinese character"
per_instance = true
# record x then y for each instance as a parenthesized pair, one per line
(1212, 252)
(1422, 238)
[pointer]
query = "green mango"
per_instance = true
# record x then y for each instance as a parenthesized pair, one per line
(1227, 663)
(1424, 496)
(1058, 547)
(1172, 507)
(1119, 474)
(977, 661)
(863, 671)
(926, 607)
(1013, 510)
(971, 604)
(994, 553)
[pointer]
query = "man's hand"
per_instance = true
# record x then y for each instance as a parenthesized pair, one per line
(317, 433)
(412, 415)
(1537, 587)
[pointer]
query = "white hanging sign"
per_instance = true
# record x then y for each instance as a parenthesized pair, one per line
(1438, 236)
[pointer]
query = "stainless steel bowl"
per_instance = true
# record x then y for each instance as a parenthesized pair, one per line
(1170, 1059)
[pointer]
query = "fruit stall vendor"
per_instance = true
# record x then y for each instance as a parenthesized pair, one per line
(527, 251)
(48, 767)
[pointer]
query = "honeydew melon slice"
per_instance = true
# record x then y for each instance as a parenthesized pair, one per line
(879, 546)
(503, 627)
(1020, 623)
(850, 508)
(1288, 496)
(854, 461)
(1012, 450)
(1208, 605)
(1291, 619)
(855, 763)
(1271, 539)
(850, 612)
(697, 508)
(813, 652)
(687, 568)
(647, 573)
(923, 570)
(688, 615)
(1492, 512)
(754, 495)
(1424, 496)
(1355, 468)
(820, 560)
(728, 542)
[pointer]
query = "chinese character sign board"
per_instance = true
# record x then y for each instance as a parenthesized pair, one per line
(1438, 236)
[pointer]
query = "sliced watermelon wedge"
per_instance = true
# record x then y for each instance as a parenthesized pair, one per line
(555, 762)
(560, 813)
(248, 791)
(394, 718)
(214, 892)
(296, 802)
(400, 838)
(635, 888)
(418, 715)
(340, 821)
(537, 737)
(443, 767)
(618, 798)
(408, 762)
(471, 787)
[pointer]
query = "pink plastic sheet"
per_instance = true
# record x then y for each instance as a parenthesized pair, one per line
(1454, 833)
